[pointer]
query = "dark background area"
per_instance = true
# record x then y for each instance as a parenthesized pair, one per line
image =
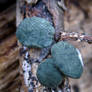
(4, 4)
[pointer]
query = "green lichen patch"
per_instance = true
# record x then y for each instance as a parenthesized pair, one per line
(48, 75)
(67, 59)
(35, 32)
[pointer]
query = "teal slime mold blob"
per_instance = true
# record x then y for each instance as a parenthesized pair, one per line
(35, 32)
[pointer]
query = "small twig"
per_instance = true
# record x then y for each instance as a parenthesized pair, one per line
(76, 37)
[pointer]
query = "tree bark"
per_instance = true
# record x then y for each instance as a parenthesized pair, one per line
(51, 10)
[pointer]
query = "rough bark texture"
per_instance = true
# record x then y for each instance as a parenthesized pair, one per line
(47, 9)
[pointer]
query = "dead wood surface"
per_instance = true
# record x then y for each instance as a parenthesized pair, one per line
(43, 9)
(74, 21)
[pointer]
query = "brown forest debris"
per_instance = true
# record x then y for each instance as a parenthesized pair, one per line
(76, 37)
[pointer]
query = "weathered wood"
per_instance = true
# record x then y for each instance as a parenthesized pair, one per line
(57, 14)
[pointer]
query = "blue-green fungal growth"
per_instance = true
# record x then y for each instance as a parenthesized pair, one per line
(48, 75)
(67, 59)
(35, 32)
